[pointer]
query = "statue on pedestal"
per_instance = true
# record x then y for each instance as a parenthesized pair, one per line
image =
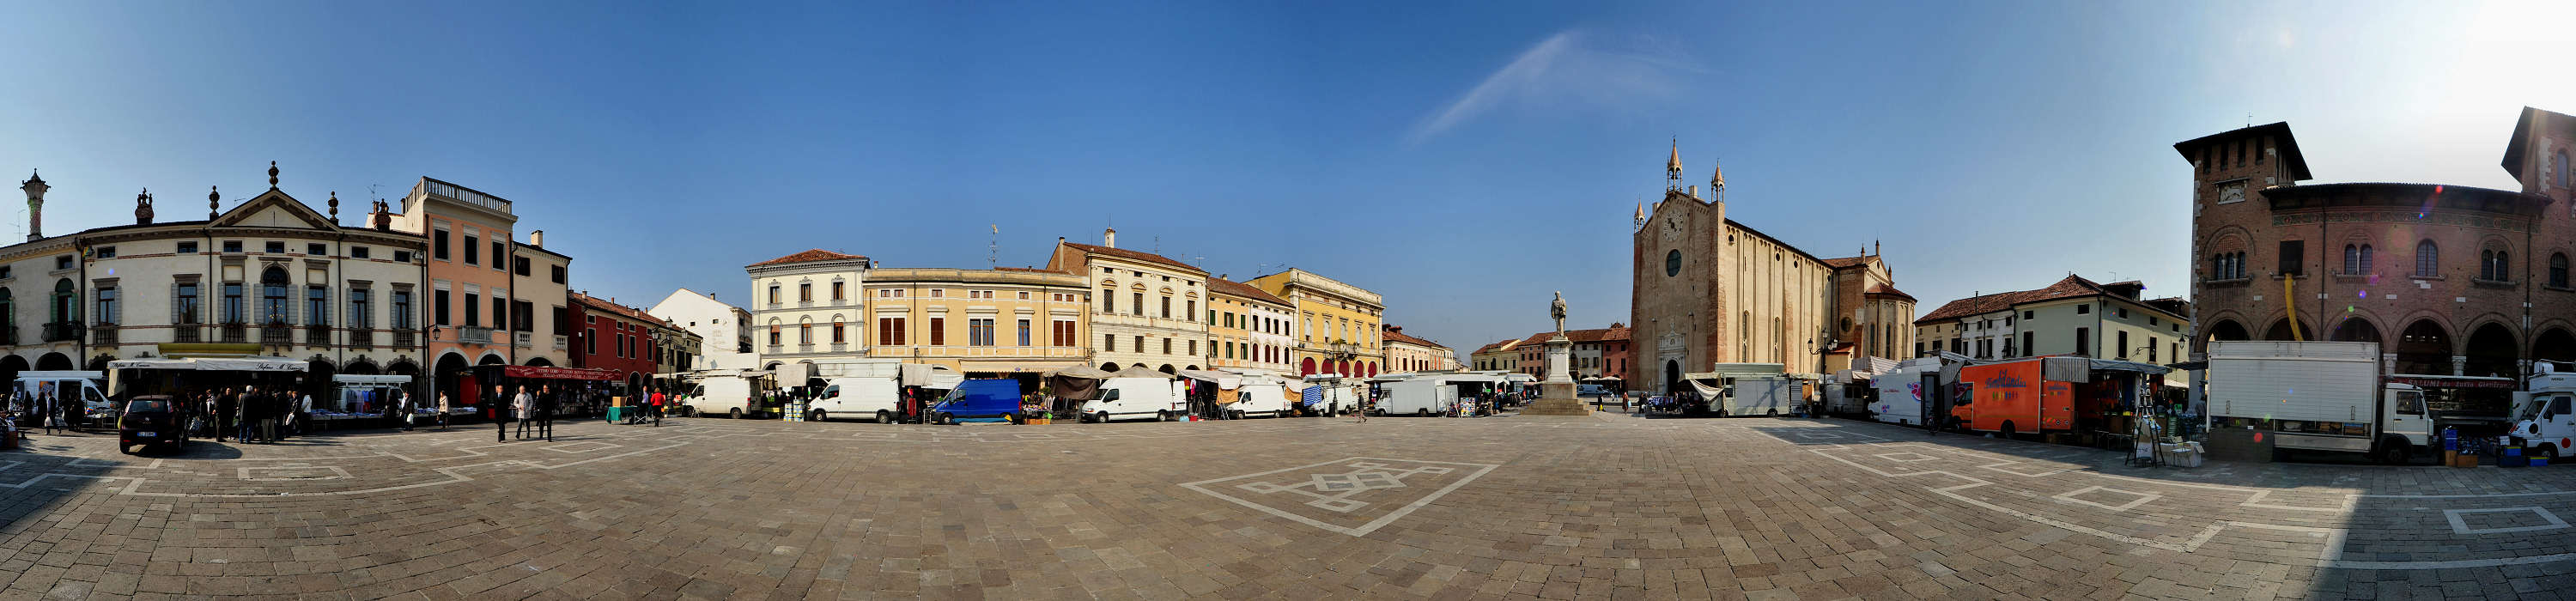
(1556, 310)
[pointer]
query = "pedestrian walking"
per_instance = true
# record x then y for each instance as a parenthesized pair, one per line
(51, 411)
(402, 402)
(271, 407)
(658, 399)
(519, 408)
(500, 415)
(546, 400)
(442, 411)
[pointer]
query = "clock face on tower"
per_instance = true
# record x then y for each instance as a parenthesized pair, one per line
(1672, 230)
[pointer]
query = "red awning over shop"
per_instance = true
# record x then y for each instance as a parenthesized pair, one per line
(559, 373)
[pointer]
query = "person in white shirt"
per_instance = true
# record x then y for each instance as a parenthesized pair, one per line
(519, 410)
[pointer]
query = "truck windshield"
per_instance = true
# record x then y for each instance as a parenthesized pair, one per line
(2554, 404)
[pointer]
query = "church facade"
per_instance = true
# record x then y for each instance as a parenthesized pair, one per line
(1707, 290)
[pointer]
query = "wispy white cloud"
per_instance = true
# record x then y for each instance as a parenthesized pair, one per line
(1568, 67)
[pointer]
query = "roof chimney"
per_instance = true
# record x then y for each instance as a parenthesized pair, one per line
(1109, 238)
(537, 238)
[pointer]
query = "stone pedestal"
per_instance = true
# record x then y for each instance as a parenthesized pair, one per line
(1556, 393)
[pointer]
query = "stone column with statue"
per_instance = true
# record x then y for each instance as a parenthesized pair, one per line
(1556, 393)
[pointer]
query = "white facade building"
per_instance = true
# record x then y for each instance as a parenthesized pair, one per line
(797, 301)
(1147, 306)
(723, 330)
(270, 276)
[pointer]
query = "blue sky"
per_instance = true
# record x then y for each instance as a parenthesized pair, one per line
(1463, 159)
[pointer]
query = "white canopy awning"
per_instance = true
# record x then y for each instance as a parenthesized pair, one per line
(1222, 379)
(349, 379)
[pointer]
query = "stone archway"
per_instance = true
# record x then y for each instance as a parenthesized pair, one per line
(451, 378)
(1109, 367)
(540, 362)
(2491, 351)
(2424, 348)
(2356, 329)
(1672, 376)
(1167, 368)
(2280, 330)
(2554, 344)
(54, 362)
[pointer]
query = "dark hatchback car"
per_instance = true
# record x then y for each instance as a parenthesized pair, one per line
(151, 421)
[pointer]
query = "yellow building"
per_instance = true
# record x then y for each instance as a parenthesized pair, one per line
(1337, 323)
(996, 323)
(1248, 329)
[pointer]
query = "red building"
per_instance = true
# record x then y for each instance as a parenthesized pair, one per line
(607, 335)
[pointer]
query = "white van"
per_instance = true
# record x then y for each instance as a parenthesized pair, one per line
(726, 394)
(1419, 395)
(1266, 397)
(861, 397)
(1136, 398)
(1901, 391)
(70, 387)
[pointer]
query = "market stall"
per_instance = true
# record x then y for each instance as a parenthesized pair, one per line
(358, 398)
(579, 390)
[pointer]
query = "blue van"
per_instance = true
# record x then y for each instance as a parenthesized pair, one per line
(978, 398)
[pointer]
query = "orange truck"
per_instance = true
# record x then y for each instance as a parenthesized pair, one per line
(2010, 397)
(2049, 394)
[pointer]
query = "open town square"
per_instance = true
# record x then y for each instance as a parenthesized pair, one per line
(1143, 299)
(1603, 506)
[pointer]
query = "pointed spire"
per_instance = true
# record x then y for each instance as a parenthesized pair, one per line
(1673, 168)
(1716, 175)
(1641, 211)
(272, 175)
(32, 178)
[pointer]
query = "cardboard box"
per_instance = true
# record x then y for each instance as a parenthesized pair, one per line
(2465, 461)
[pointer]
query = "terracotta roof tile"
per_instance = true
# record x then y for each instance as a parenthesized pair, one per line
(1887, 290)
(1845, 262)
(1414, 340)
(1134, 255)
(603, 304)
(807, 257)
(1226, 286)
(2071, 287)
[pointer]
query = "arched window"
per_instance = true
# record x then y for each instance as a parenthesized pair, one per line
(66, 304)
(2558, 166)
(2365, 259)
(2493, 265)
(839, 330)
(2351, 259)
(2428, 259)
(273, 300)
(805, 331)
(2557, 271)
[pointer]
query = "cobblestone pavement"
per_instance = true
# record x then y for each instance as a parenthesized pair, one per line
(1608, 506)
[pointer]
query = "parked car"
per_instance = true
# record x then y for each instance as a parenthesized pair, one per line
(151, 421)
(978, 398)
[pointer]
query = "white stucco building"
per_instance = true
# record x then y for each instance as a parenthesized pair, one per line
(806, 307)
(723, 330)
(1147, 305)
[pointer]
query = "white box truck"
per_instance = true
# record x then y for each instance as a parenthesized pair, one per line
(1902, 391)
(1262, 396)
(2316, 396)
(873, 389)
(1755, 389)
(1422, 395)
(2545, 412)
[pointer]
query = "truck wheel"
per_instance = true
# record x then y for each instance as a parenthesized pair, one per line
(736, 413)
(1422, 413)
(815, 416)
(2395, 452)
(1162, 416)
(1771, 413)
(2008, 429)
(941, 418)
(885, 417)
(2549, 450)
(1235, 414)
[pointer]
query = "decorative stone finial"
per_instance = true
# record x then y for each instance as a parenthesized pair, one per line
(143, 207)
(335, 207)
(272, 175)
(213, 197)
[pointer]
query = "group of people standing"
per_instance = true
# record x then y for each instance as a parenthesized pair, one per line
(262, 414)
(534, 410)
(48, 409)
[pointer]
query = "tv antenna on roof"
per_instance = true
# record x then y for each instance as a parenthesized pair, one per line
(993, 250)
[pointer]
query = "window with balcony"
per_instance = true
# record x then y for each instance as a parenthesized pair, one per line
(362, 314)
(273, 304)
(183, 305)
(233, 313)
(890, 331)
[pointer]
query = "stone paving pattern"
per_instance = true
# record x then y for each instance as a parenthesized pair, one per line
(1598, 507)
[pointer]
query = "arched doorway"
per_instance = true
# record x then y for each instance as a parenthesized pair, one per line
(99, 363)
(10, 366)
(1306, 366)
(361, 367)
(2491, 351)
(2424, 348)
(54, 362)
(2356, 329)
(540, 362)
(1109, 367)
(450, 378)
(2555, 344)
(317, 377)
(1191, 368)
(404, 367)
(2280, 330)
(1672, 376)
(2226, 330)
(1167, 368)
